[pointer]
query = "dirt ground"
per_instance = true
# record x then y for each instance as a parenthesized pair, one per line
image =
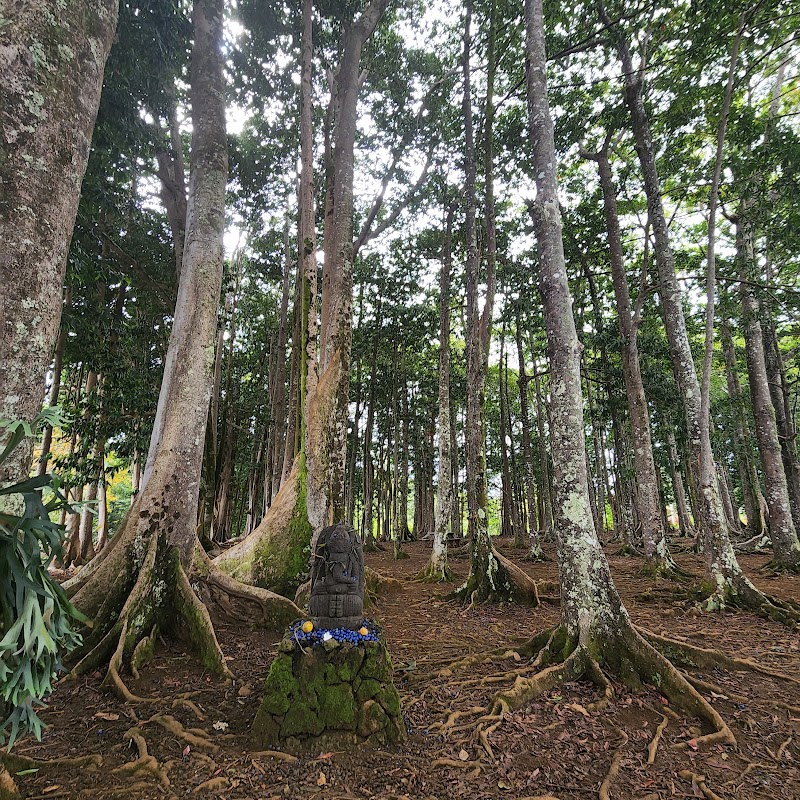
(195, 732)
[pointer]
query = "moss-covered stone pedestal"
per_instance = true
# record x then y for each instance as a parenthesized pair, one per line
(329, 694)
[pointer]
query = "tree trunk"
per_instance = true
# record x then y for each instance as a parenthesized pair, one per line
(785, 544)
(487, 578)
(55, 386)
(656, 553)
(437, 568)
(545, 493)
(279, 379)
(328, 402)
(48, 106)
(727, 582)
(787, 432)
(595, 630)
(402, 485)
(172, 175)
(678, 489)
(140, 583)
(535, 552)
(748, 474)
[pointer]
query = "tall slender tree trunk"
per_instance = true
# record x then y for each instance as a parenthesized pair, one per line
(546, 522)
(437, 566)
(48, 106)
(140, 584)
(55, 386)
(279, 379)
(484, 580)
(595, 630)
(785, 544)
(727, 583)
(784, 420)
(535, 552)
(654, 539)
(678, 488)
(328, 402)
(748, 474)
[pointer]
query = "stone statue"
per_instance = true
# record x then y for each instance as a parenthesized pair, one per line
(337, 579)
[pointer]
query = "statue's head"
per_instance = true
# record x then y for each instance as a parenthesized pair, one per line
(338, 539)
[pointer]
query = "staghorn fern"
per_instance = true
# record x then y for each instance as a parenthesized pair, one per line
(36, 618)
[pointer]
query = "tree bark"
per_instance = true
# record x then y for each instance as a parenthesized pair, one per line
(726, 580)
(487, 578)
(654, 539)
(327, 413)
(535, 552)
(590, 605)
(748, 474)
(437, 566)
(55, 386)
(785, 544)
(142, 580)
(48, 104)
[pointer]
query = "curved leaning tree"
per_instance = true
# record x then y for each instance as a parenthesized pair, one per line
(275, 555)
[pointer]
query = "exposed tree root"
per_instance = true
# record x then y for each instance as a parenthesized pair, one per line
(8, 789)
(782, 749)
(533, 647)
(454, 716)
(144, 589)
(751, 765)
(535, 554)
(182, 702)
(378, 585)
(664, 567)
(145, 762)
(700, 782)
(759, 543)
(215, 785)
(625, 653)
(275, 754)
(652, 748)
(196, 737)
(14, 762)
(777, 567)
(613, 770)
(238, 602)
(693, 656)
(451, 762)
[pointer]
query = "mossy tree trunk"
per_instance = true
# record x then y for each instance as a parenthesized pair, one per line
(52, 58)
(276, 554)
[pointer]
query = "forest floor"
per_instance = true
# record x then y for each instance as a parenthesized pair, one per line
(554, 748)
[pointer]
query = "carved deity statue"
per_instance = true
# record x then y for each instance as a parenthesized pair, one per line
(337, 579)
